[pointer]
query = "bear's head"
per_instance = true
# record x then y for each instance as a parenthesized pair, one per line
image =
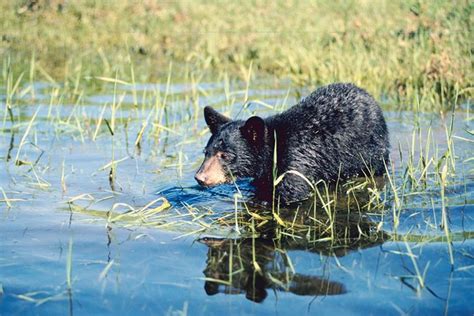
(234, 150)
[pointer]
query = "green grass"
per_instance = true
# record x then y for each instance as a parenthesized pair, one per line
(413, 52)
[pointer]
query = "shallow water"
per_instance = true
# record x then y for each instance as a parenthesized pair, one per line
(181, 259)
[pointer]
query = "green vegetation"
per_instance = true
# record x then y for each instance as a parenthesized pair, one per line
(337, 217)
(417, 53)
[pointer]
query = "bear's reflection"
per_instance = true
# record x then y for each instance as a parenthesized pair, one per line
(254, 266)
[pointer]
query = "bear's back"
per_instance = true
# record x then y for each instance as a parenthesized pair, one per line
(333, 108)
(339, 124)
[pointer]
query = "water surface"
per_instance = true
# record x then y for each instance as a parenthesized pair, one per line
(54, 209)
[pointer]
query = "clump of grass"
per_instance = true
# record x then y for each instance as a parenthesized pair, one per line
(148, 215)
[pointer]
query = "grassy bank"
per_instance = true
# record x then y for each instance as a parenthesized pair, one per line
(411, 51)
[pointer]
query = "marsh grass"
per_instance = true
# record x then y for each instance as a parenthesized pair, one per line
(339, 217)
(152, 116)
(415, 53)
(411, 55)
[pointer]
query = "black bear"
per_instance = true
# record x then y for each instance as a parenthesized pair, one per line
(336, 132)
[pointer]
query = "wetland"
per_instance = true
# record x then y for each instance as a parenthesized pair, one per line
(102, 131)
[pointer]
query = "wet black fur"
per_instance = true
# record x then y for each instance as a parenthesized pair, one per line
(337, 131)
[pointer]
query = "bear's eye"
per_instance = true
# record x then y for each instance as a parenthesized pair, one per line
(223, 155)
(219, 144)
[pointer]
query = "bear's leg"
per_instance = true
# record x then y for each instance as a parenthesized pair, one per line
(292, 188)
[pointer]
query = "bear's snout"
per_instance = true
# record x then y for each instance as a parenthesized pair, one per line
(210, 173)
(200, 178)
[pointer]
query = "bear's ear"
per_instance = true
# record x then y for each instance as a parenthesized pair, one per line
(254, 130)
(214, 119)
